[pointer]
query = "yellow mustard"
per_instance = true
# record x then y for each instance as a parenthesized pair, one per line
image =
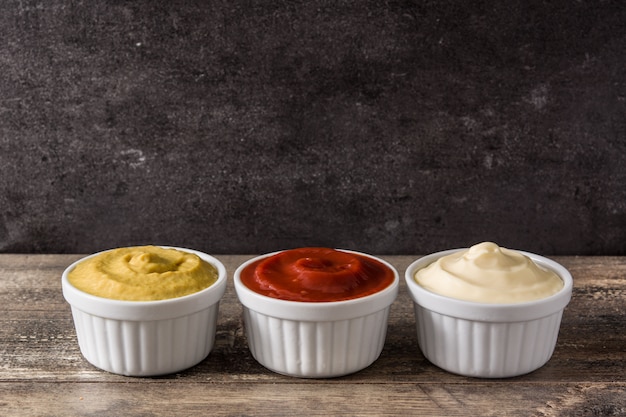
(488, 273)
(143, 273)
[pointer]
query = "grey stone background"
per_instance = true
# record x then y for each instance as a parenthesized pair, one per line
(390, 127)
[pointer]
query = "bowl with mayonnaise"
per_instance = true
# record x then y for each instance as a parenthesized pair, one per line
(145, 310)
(488, 311)
(316, 312)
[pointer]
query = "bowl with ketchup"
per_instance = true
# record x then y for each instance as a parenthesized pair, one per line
(316, 312)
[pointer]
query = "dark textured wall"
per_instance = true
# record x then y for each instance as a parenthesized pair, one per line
(381, 126)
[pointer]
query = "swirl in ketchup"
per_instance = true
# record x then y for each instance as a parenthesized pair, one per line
(317, 275)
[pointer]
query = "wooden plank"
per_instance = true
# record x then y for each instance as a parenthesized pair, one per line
(43, 372)
(311, 398)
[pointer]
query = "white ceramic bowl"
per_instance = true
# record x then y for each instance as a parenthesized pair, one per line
(487, 340)
(146, 338)
(316, 339)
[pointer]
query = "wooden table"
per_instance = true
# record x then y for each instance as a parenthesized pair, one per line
(43, 373)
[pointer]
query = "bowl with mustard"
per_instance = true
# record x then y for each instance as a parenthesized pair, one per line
(145, 310)
(488, 311)
(316, 312)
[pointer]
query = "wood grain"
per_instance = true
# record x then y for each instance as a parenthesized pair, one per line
(43, 373)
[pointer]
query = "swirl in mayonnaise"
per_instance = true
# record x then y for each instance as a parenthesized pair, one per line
(487, 273)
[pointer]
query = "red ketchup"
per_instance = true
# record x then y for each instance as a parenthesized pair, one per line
(316, 275)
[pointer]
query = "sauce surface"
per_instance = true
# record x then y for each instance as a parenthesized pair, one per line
(143, 273)
(488, 273)
(316, 275)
